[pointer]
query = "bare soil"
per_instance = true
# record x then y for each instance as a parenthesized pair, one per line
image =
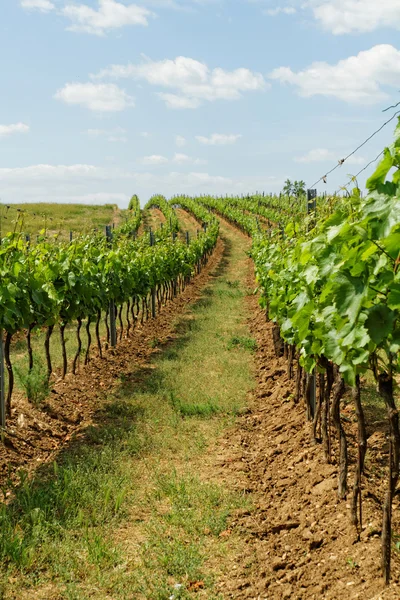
(300, 543)
(187, 223)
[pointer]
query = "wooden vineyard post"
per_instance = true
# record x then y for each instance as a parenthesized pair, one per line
(113, 324)
(153, 291)
(312, 398)
(187, 238)
(70, 236)
(2, 386)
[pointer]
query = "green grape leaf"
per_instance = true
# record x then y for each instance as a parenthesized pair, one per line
(379, 322)
(349, 294)
(381, 171)
(393, 300)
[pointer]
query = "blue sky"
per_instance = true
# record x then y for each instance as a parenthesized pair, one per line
(103, 99)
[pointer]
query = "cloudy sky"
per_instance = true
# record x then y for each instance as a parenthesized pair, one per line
(104, 98)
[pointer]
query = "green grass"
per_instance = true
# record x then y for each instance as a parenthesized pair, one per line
(187, 223)
(19, 356)
(58, 218)
(244, 342)
(189, 409)
(134, 509)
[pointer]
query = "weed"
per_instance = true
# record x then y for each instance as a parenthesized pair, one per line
(86, 491)
(234, 284)
(353, 564)
(100, 553)
(195, 409)
(154, 342)
(35, 382)
(246, 343)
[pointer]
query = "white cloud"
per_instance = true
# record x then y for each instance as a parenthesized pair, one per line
(65, 183)
(118, 134)
(14, 128)
(181, 158)
(181, 5)
(316, 155)
(285, 10)
(180, 141)
(154, 159)
(144, 134)
(103, 97)
(357, 79)
(110, 15)
(44, 171)
(97, 198)
(218, 139)
(93, 184)
(184, 159)
(178, 102)
(42, 5)
(178, 159)
(193, 82)
(323, 155)
(352, 16)
(197, 179)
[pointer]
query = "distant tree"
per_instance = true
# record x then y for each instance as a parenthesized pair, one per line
(287, 188)
(299, 188)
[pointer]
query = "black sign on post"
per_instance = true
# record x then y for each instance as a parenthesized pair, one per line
(311, 201)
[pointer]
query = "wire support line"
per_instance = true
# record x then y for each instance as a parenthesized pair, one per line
(354, 177)
(390, 107)
(343, 160)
